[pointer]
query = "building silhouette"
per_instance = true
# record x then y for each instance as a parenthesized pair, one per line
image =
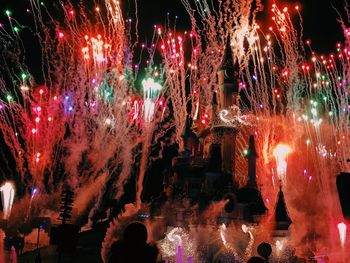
(206, 170)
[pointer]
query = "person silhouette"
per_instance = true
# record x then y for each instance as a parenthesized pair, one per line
(133, 248)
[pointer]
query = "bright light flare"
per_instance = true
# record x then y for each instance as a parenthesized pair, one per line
(151, 91)
(342, 233)
(244, 228)
(7, 197)
(222, 234)
(279, 245)
(281, 152)
(34, 192)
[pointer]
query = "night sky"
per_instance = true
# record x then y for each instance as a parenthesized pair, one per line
(319, 18)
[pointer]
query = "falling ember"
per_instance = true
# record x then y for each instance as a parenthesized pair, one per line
(281, 152)
(342, 233)
(7, 196)
(222, 234)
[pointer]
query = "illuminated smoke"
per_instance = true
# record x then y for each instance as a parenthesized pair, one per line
(7, 197)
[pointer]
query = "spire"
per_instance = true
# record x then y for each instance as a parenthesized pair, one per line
(250, 195)
(214, 107)
(189, 138)
(227, 61)
(228, 65)
(187, 128)
(214, 101)
(251, 156)
(251, 147)
(228, 75)
(282, 218)
(258, 208)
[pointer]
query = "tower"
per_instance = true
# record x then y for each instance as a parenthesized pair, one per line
(282, 219)
(250, 195)
(228, 90)
(214, 106)
(251, 157)
(189, 138)
(227, 79)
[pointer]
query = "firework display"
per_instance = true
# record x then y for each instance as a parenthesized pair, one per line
(99, 108)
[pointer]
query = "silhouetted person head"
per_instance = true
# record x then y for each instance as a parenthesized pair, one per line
(133, 248)
(135, 233)
(256, 260)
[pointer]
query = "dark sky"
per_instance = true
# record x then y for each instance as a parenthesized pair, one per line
(320, 23)
(319, 18)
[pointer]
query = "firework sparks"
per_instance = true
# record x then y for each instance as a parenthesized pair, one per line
(7, 197)
(342, 233)
(281, 152)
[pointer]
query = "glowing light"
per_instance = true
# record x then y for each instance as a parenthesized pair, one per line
(151, 91)
(222, 234)
(7, 197)
(99, 49)
(245, 228)
(35, 190)
(108, 121)
(279, 245)
(342, 233)
(232, 116)
(281, 152)
(24, 88)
